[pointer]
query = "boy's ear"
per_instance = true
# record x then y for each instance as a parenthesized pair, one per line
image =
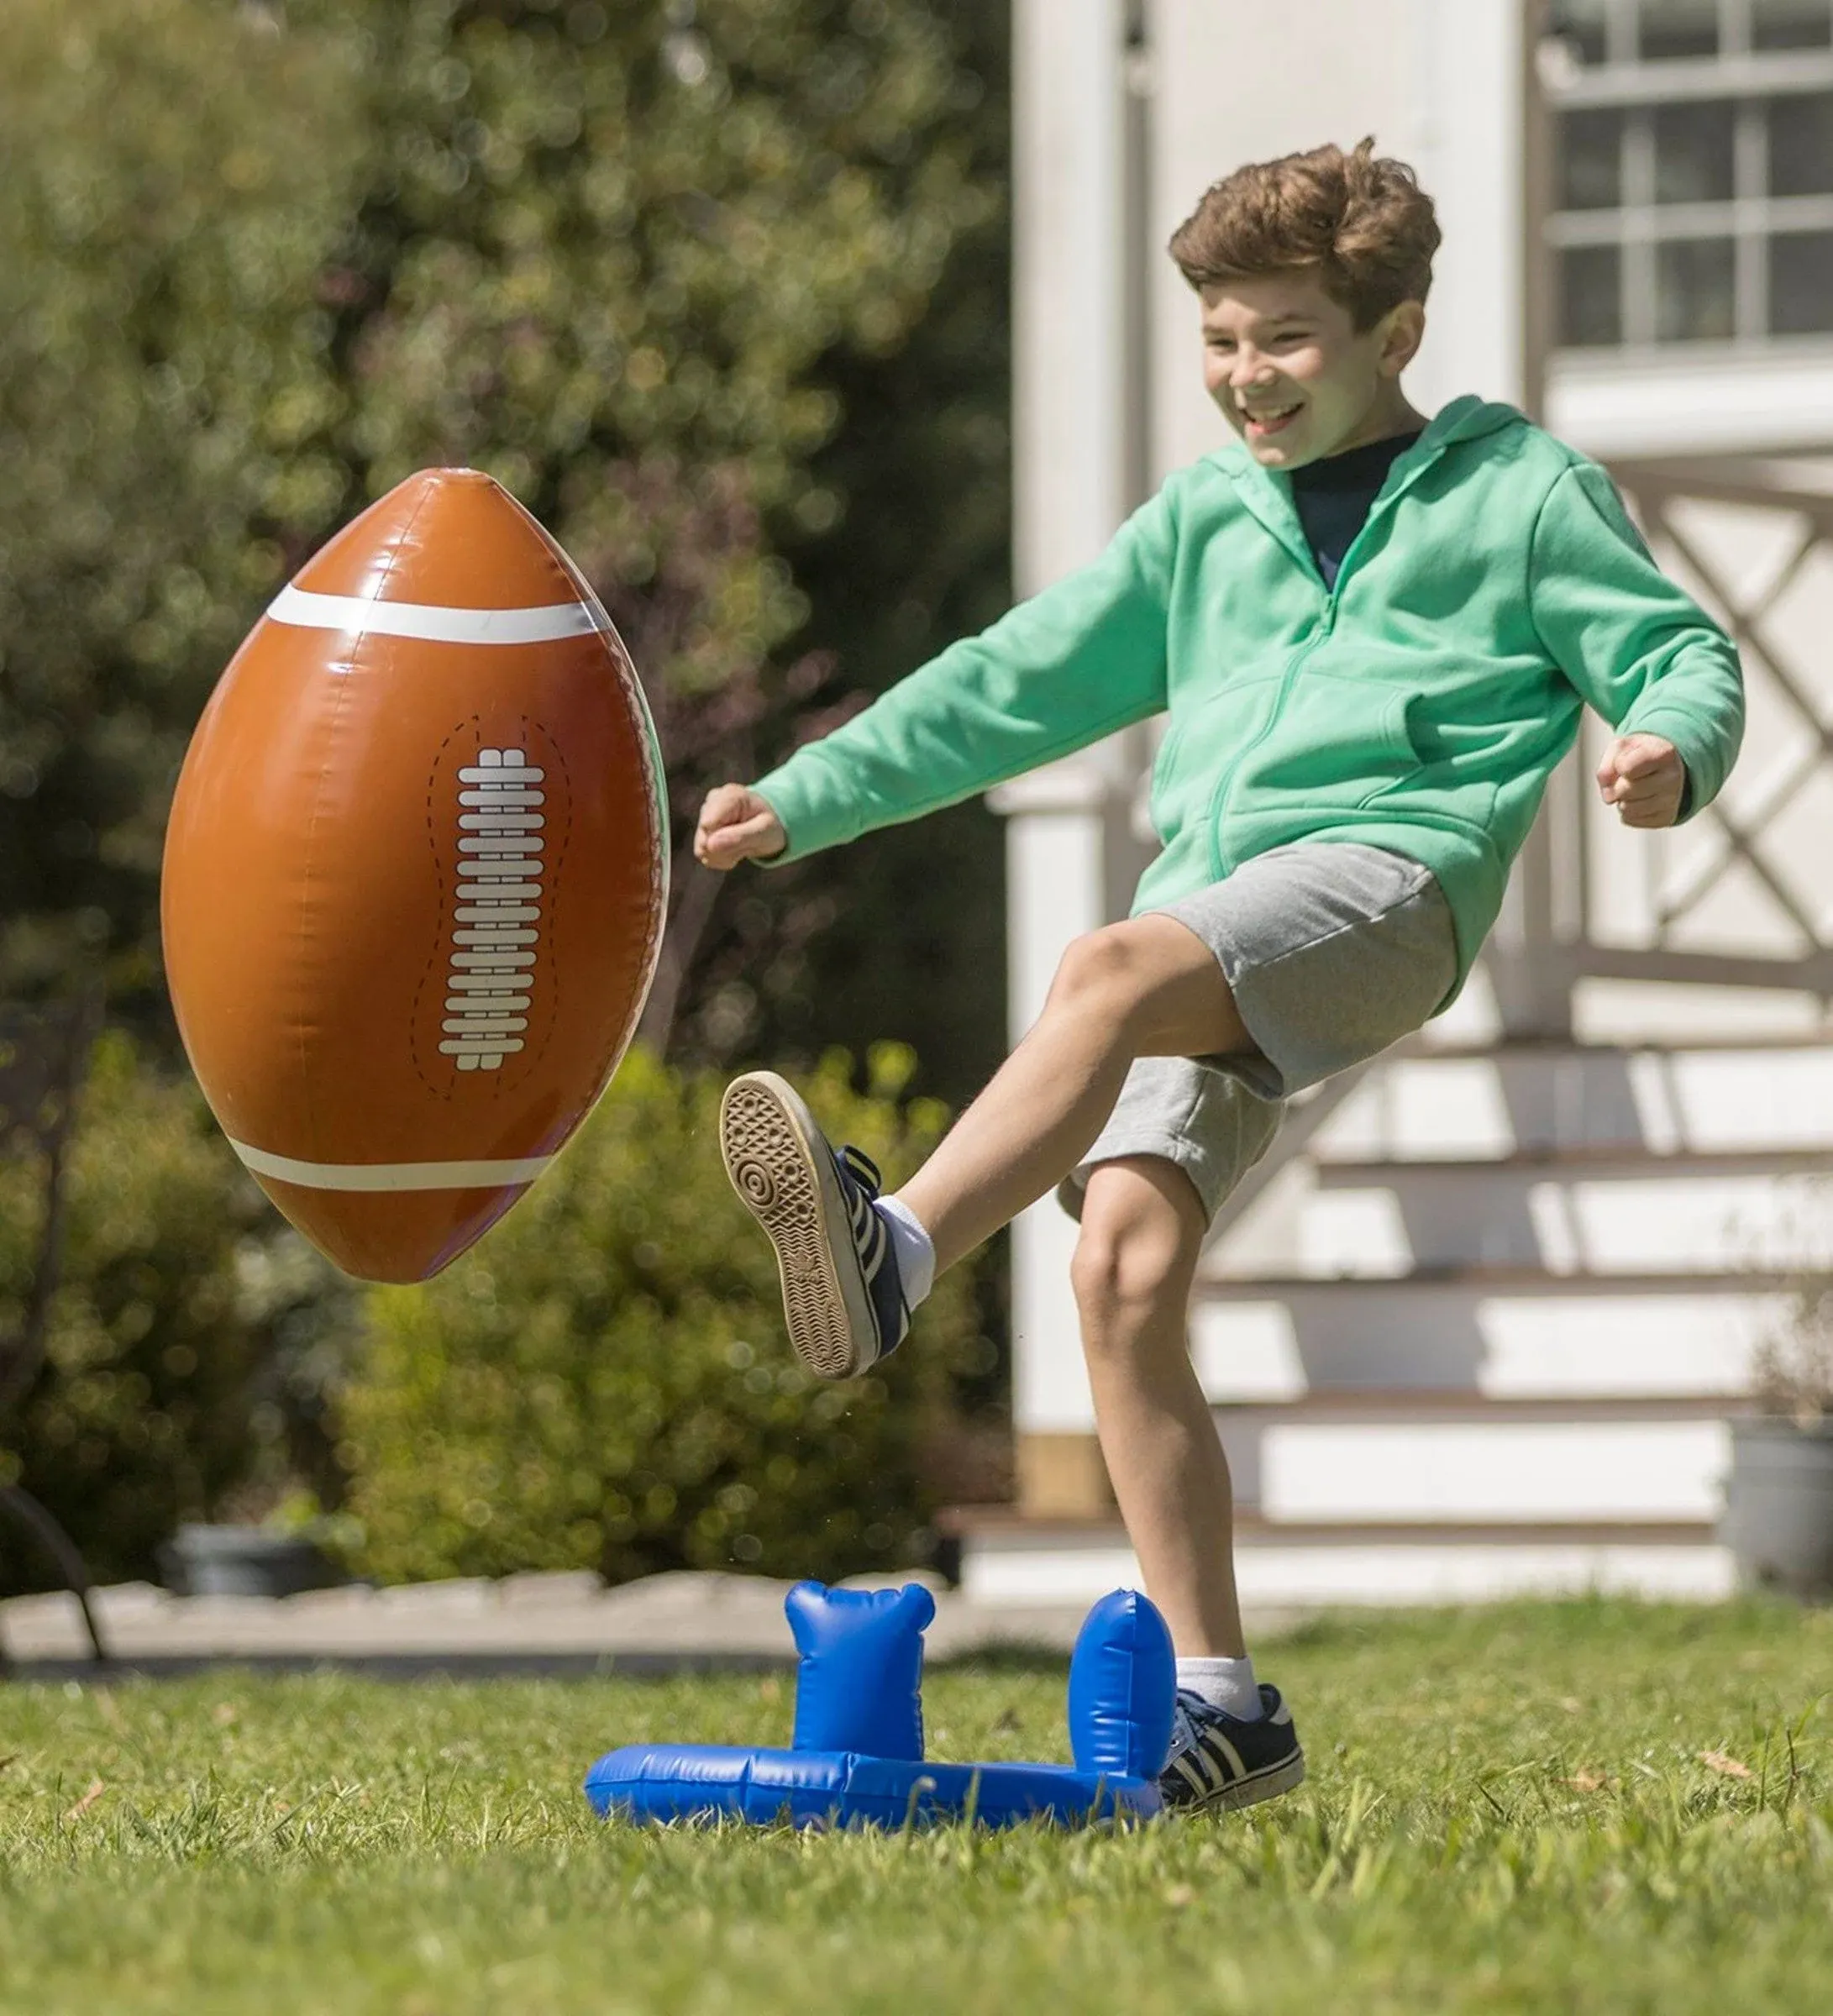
(1404, 332)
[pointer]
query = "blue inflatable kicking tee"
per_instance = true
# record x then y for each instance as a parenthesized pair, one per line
(856, 1755)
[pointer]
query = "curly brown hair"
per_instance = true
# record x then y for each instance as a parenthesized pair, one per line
(1361, 221)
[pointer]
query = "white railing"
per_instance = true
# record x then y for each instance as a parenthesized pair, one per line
(1743, 894)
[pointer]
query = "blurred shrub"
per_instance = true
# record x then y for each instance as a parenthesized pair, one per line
(604, 1381)
(141, 1416)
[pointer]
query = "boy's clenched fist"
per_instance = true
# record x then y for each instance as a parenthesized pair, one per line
(736, 825)
(1643, 777)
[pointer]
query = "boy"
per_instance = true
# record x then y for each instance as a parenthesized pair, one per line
(1373, 636)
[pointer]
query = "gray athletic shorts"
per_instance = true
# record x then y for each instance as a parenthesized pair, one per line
(1332, 951)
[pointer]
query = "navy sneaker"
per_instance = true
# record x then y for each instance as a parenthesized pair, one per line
(841, 1296)
(1219, 1761)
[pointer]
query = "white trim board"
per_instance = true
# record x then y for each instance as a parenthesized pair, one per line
(1765, 399)
(1375, 1573)
(1493, 1471)
(1524, 1347)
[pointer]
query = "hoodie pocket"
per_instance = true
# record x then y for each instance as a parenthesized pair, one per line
(1199, 741)
(1336, 741)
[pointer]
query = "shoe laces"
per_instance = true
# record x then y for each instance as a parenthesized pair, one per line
(1188, 1718)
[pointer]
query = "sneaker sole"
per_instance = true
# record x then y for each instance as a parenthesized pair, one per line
(776, 1162)
(1250, 1792)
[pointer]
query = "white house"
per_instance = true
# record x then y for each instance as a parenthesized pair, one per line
(1481, 1321)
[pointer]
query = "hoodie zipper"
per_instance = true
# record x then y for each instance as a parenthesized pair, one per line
(1219, 864)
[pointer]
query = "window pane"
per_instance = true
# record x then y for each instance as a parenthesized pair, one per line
(1801, 145)
(1791, 24)
(1590, 296)
(1679, 27)
(1695, 291)
(1694, 152)
(1801, 283)
(1591, 160)
(1579, 24)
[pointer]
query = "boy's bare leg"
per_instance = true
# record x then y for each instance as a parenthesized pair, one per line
(1143, 1228)
(1146, 988)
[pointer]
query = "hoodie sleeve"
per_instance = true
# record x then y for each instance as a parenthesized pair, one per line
(1638, 649)
(1085, 657)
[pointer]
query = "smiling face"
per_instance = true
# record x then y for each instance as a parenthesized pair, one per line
(1295, 377)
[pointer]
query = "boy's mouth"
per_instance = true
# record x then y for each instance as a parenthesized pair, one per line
(1269, 420)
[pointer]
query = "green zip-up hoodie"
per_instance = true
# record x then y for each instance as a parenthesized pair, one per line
(1420, 705)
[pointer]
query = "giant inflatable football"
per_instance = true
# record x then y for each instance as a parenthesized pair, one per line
(416, 875)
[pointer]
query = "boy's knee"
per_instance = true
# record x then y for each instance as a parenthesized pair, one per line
(1099, 970)
(1134, 1257)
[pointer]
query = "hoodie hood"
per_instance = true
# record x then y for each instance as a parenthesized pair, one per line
(1268, 492)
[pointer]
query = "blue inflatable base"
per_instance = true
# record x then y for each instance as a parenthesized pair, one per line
(665, 1781)
(856, 1756)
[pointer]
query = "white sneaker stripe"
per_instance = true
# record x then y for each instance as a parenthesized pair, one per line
(1219, 1746)
(1187, 1768)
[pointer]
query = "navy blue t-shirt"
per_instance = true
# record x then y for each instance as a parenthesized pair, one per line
(1333, 497)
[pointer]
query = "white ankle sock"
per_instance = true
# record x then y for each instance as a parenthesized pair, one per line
(916, 1252)
(1225, 1683)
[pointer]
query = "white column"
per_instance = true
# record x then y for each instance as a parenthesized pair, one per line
(1473, 147)
(1071, 416)
(1481, 152)
(1055, 883)
(1069, 410)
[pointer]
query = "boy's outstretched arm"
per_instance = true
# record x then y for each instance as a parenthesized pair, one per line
(1639, 649)
(1059, 672)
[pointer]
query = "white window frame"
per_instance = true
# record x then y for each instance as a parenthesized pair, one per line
(1752, 218)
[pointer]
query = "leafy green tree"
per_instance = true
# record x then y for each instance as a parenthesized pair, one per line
(624, 260)
(257, 264)
(901, 935)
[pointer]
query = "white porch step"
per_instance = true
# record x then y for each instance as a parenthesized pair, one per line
(1496, 1102)
(1550, 1215)
(1017, 1566)
(1581, 1339)
(1586, 1162)
(1399, 1460)
(1488, 1333)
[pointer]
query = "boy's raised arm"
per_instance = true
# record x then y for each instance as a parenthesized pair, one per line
(1061, 670)
(1639, 649)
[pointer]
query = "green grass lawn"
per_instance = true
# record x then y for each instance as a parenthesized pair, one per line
(1571, 1808)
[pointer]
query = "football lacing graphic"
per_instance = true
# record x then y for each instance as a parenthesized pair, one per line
(492, 977)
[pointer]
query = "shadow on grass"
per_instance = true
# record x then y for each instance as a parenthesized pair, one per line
(1029, 1661)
